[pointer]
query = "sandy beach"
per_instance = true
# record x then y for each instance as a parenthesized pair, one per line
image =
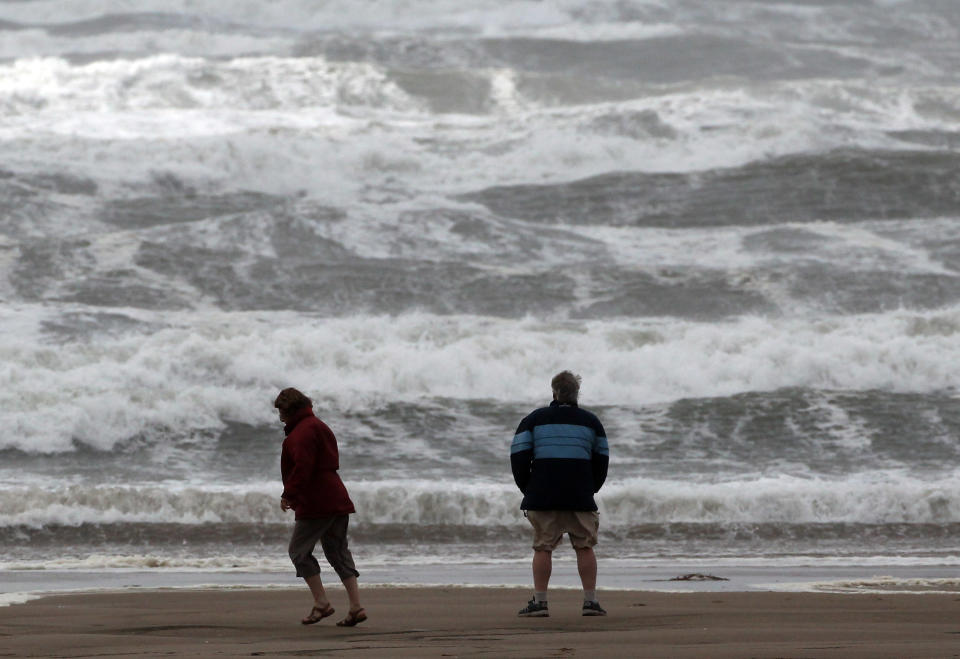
(450, 622)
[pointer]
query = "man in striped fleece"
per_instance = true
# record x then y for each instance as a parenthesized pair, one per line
(559, 457)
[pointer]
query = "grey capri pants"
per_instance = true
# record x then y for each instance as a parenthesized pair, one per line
(331, 532)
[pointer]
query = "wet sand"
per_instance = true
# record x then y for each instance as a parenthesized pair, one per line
(451, 622)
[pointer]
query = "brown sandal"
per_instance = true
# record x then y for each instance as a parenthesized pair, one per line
(353, 618)
(317, 614)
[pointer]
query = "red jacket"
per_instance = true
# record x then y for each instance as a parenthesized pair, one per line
(309, 462)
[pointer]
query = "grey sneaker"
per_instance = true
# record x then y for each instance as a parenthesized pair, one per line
(534, 609)
(593, 609)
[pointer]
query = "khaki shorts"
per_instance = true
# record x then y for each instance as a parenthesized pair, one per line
(550, 525)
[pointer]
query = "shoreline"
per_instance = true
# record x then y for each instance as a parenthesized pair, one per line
(449, 621)
(19, 584)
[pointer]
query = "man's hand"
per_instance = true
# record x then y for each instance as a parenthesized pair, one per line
(285, 504)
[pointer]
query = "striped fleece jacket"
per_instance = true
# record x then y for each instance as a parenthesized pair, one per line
(559, 458)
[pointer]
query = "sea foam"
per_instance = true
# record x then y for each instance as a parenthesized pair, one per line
(192, 372)
(870, 498)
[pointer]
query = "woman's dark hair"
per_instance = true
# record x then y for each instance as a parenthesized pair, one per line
(290, 400)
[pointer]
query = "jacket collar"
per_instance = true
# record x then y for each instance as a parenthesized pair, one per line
(298, 416)
(556, 403)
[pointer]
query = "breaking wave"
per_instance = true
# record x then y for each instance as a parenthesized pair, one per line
(625, 504)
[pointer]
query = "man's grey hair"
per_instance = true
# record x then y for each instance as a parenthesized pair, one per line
(566, 387)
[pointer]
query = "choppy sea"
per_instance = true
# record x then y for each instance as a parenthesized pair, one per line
(738, 220)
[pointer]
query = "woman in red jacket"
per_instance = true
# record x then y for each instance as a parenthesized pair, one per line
(312, 488)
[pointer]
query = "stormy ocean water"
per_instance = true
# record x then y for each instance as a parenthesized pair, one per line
(736, 219)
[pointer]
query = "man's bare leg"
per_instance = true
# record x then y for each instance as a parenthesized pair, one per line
(587, 567)
(542, 568)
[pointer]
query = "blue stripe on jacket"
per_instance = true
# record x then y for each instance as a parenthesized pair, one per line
(561, 440)
(600, 446)
(521, 442)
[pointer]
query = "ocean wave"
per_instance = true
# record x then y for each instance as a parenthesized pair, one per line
(35, 42)
(164, 82)
(863, 185)
(96, 561)
(129, 504)
(877, 499)
(876, 585)
(826, 37)
(335, 118)
(177, 375)
(177, 246)
(867, 498)
(395, 502)
(138, 35)
(301, 14)
(820, 23)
